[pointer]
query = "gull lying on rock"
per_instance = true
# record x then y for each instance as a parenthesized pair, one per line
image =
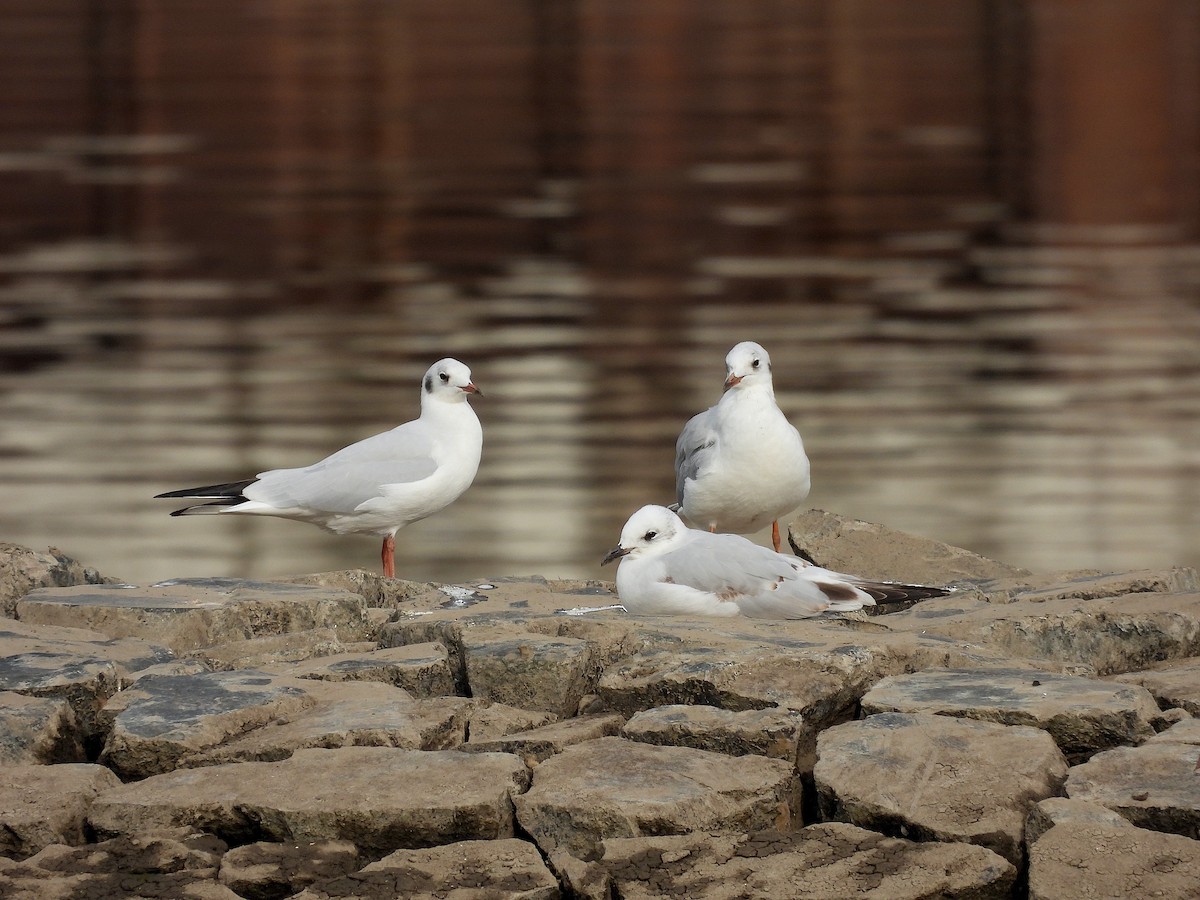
(740, 465)
(669, 569)
(377, 485)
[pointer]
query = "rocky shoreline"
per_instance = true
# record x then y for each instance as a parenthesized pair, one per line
(343, 735)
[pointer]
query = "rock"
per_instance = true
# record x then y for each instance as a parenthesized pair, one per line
(376, 590)
(1185, 732)
(82, 667)
(168, 718)
(539, 744)
(1097, 860)
(507, 869)
(379, 798)
(494, 720)
(189, 613)
(274, 649)
(44, 805)
(1155, 786)
(937, 778)
(421, 669)
(1110, 635)
(1062, 810)
(820, 862)
(266, 871)
(875, 551)
(35, 730)
(1083, 715)
(1173, 684)
(777, 733)
(530, 671)
(356, 714)
(175, 863)
(1089, 585)
(582, 880)
(612, 787)
(22, 570)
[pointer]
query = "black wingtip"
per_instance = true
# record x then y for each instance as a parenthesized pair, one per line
(230, 491)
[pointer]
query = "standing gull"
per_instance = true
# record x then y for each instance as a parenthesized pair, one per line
(740, 465)
(669, 569)
(375, 486)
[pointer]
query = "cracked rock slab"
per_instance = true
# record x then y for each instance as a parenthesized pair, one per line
(421, 669)
(612, 787)
(275, 649)
(539, 744)
(507, 869)
(773, 732)
(937, 778)
(268, 871)
(379, 798)
(37, 730)
(1155, 786)
(830, 861)
(189, 613)
(530, 671)
(23, 570)
(1174, 685)
(1083, 715)
(44, 805)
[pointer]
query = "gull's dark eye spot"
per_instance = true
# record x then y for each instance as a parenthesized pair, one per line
(444, 377)
(754, 364)
(650, 535)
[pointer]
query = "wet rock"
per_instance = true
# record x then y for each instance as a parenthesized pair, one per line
(174, 863)
(269, 871)
(1155, 786)
(530, 671)
(168, 718)
(937, 778)
(379, 798)
(22, 570)
(35, 730)
(831, 860)
(612, 787)
(356, 714)
(1173, 684)
(275, 649)
(507, 869)
(1062, 810)
(538, 744)
(421, 669)
(44, 805)
(1083, 715)
(82, 667)
(187, 614)
(494, 720)
(1098, 860)
(875, 551)
(1110, 635)
(777, 733)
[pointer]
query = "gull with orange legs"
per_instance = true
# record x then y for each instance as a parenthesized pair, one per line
(377, 485)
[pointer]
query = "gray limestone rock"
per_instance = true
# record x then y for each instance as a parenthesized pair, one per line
(1083, 715)
(1173, 684)
(167, 718)
(774, 732)
(189, 613)
(421, 669)
(1094, 860)
(530, 671)
(875, 551)
(1110, 635)
(275, 649)
(612, 787)
(539, 744)
(377, 797)
(830, 861)
(937, 778)
(44, 805)
(37, 730)
(1155, 786)
(173, 864)
(22, 570)
(507, 869)
(270, 871)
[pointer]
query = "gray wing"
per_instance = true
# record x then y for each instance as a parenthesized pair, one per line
(340, 483)
(693, 450)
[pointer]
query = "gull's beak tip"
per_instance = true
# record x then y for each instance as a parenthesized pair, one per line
(732, 379)
(614, 554)
(469, 388)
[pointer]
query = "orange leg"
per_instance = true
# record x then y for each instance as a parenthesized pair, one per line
(775, 535)
(388, 555)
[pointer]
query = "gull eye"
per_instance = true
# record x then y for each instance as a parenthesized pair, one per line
(444, 377)
(650, 535)
(754, 364)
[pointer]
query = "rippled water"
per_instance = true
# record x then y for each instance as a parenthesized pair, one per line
(1045, 413)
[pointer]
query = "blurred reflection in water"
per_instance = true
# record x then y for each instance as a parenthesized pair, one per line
(1053, 427)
